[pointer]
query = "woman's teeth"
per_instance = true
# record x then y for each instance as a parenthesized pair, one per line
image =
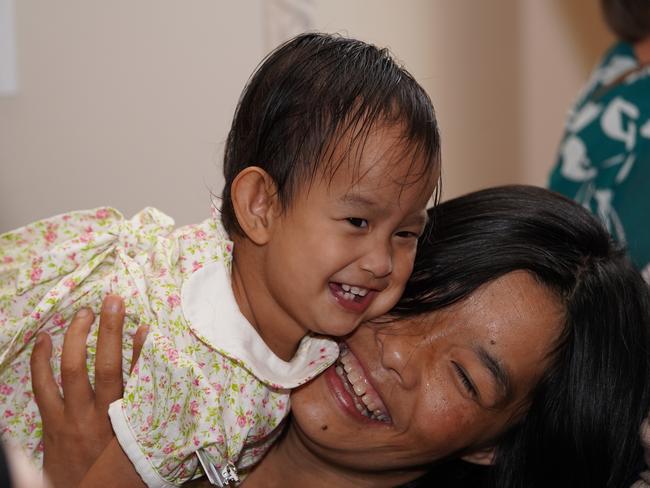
(366, 399)
(350, 292)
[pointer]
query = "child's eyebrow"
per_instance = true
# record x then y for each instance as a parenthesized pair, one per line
(358, 200)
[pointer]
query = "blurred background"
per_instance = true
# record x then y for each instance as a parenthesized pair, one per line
(128, 103)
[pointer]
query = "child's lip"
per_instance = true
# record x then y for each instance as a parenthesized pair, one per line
(357, 304)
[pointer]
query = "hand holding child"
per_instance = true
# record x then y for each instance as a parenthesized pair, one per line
(76, 427)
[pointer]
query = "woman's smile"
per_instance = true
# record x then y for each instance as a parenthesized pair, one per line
(361, 394)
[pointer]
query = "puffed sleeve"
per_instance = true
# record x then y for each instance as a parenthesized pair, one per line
(52, 264)
(170, 410)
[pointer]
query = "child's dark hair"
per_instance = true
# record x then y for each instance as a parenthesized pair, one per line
(582, 429)
(308, 94)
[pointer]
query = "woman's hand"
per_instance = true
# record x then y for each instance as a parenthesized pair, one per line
(76, 427)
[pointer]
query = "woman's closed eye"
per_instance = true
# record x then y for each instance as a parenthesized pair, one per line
(465, 380)
(358, 222)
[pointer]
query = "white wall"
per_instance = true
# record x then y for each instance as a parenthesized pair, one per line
(128, 103)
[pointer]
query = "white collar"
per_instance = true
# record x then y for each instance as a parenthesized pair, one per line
(213, 315)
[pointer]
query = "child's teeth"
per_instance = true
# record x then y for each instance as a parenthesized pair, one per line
(355, 290)
(363, 292)
(345, 287)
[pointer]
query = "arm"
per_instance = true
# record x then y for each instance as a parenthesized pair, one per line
(76, 428)
(112, 469)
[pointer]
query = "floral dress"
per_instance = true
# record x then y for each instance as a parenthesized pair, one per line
(204, 380)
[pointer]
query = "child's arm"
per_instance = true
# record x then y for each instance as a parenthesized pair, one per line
(112, 468)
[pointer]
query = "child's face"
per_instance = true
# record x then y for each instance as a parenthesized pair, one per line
(343, 251)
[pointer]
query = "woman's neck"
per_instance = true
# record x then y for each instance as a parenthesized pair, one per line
(642, 50)
(291, 463)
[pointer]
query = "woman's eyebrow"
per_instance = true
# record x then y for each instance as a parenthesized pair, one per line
(496, 369)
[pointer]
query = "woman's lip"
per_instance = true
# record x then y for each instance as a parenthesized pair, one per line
(344, 397)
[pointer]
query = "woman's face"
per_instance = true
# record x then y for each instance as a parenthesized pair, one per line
(443, 384)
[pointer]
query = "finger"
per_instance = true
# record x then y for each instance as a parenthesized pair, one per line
(108, 362)
(138, 342)
(77, 391)
(46, 391)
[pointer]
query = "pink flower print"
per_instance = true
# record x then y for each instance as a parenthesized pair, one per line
(229, 247)
(5, 389)
(8, 413)
(102, 213)
(36, 274)
(196, 441)
(196, 266)
(66, 218)
(322, 349)
(72, 256)
(50, 236)
(281, 404)
(172, 355)
(200, 234)
(169, 448)
(173, 300)
(194, 408)
(70, 284)
(7, 259)
(28, 334)
(149, 420)
(241, 421)
(58, 320)
(176, 408)
(36, 315)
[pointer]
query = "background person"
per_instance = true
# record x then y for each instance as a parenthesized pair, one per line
(604, 157)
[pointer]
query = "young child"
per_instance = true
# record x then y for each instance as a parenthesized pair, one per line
(331, 159)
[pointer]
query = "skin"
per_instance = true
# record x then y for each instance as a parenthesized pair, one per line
(642, 50)
(433, 413)
(359, 227)
(76, 425)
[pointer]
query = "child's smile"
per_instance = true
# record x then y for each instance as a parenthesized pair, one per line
(352, 298)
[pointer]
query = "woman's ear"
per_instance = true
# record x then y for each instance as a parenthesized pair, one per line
(484, 457)
(255, 201)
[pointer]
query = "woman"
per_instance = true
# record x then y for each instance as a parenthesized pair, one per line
(521, 342)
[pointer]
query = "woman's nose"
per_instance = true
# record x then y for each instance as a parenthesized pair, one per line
(399, 353)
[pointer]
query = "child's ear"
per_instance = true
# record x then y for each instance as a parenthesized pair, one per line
(484, 456)
(254, 199)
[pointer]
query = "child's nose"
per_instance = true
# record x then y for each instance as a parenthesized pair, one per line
(378, 261)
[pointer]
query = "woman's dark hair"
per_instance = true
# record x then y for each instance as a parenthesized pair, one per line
(310, 94)
(585, 413)
(628, 19)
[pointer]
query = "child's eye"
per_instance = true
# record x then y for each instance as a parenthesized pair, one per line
(408, 234)
(464, 378)
(357, 222)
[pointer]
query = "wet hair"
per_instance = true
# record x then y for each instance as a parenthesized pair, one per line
(309, 95)
(582, 428)
(628, 19)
